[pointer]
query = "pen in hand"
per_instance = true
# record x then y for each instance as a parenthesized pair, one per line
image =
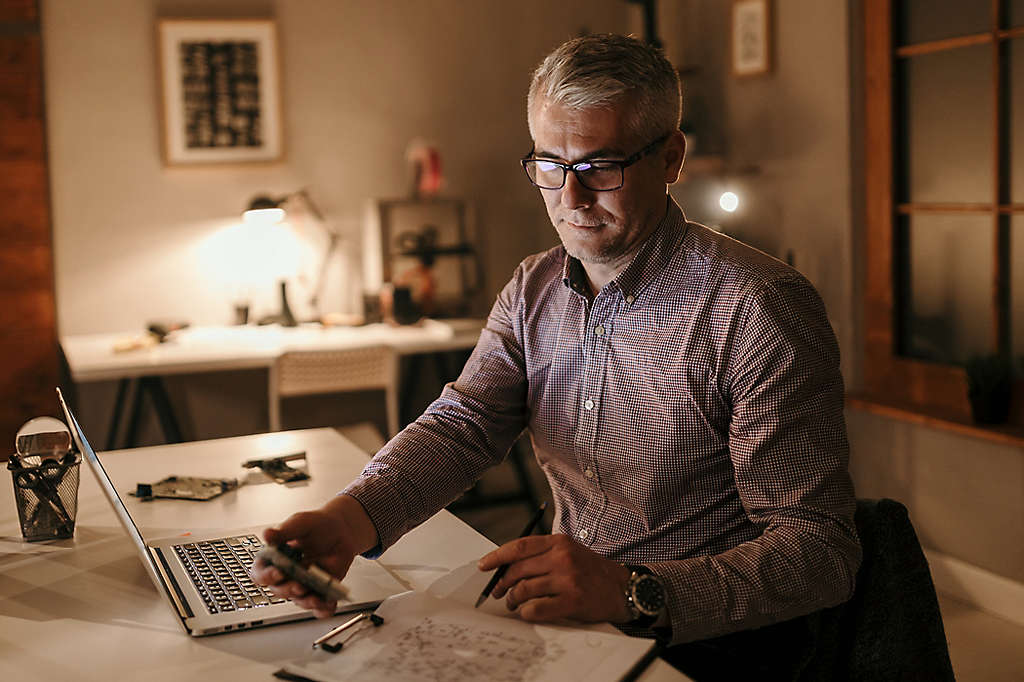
(498, 574)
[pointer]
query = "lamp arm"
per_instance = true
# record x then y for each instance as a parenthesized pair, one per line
(308, 200)
(321, 279)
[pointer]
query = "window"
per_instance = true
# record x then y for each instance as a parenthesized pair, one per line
(944, 160)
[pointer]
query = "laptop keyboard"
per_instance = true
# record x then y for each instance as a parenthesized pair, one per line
(220, 571)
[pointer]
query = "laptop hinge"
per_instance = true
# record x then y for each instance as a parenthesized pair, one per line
(171, 584)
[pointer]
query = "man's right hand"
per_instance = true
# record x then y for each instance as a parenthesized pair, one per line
(329, 537)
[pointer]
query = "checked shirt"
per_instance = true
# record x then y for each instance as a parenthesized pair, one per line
(688, 417)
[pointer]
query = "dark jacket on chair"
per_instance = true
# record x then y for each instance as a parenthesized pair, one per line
(891, 628)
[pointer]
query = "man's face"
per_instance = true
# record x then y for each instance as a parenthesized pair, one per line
(602, 228)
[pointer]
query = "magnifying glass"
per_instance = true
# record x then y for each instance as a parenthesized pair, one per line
(44, 437)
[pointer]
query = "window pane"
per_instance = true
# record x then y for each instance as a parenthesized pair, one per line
(1016, 13)
(924, 20)
(948, 126)
(948, 314)
(1016, 142)
(1017, 284)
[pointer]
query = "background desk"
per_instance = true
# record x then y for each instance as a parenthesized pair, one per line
(84, 609)
(218, 349)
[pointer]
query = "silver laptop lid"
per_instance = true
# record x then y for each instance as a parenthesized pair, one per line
(89, 455)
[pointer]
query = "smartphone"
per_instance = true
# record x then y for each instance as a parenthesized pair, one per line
(288, 560)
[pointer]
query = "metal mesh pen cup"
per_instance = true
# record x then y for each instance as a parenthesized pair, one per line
(46, 493)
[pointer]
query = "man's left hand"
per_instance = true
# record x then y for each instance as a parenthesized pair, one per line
(551, 577)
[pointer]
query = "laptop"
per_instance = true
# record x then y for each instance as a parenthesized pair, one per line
(205, 577)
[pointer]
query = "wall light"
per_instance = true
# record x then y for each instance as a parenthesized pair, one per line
(729, 201)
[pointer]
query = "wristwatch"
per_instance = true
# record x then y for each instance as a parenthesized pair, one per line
(645, 596)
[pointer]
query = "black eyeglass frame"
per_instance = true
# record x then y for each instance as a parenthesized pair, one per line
(576, 167)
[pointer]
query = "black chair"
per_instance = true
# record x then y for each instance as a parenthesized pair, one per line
(891, 629)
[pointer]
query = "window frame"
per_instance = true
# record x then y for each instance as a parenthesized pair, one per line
(923, 386)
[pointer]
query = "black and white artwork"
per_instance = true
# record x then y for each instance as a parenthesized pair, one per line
(220, 91)
(751, 37)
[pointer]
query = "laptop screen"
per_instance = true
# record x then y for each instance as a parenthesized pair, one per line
(107, 486)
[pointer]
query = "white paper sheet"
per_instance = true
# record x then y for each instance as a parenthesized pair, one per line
(427, 638)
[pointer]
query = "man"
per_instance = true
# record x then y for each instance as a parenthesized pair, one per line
(681, 390)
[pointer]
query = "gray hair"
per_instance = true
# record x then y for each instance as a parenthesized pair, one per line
(605, 70)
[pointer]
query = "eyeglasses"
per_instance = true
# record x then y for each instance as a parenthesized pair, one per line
(598, 175)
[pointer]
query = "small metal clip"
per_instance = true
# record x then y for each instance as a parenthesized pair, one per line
(323, 640)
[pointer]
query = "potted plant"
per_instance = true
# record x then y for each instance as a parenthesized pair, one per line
(989, 387)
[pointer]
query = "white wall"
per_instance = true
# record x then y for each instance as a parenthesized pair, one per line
(792, 126)
(135, 240)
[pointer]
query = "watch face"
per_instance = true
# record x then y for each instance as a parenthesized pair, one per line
(649, 595)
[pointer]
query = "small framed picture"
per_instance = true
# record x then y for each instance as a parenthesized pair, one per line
(220, 91)
(751, 37)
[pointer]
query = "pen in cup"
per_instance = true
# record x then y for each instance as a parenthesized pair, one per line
(500, 573)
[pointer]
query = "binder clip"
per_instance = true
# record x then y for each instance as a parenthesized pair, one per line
(324, 640)
(277, 467)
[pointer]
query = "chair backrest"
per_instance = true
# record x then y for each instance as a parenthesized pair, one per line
(891, 629)
(313, 372)
(331, 371)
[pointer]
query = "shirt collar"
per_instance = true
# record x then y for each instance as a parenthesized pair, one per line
(651, 259)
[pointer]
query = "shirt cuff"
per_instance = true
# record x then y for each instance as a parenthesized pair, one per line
(691, 592)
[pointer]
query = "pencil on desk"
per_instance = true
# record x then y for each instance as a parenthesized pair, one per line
(500, 573)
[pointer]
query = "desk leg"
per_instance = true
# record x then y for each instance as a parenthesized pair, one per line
(115, 418)
(131, 435)
(162, 403)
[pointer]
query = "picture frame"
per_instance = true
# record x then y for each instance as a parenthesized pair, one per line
(396, 228)
(220, 91)
(751, 37)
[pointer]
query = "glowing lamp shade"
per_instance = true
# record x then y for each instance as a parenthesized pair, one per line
(263, 216)
(729, 201)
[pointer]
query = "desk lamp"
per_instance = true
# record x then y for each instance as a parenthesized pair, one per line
(264, 209)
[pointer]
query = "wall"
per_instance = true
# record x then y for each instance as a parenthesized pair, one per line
(785, 137)
(966, 497)
(360, 81)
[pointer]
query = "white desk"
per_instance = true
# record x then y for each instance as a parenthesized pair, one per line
(92, 357)
(211, 349)
(84, 609)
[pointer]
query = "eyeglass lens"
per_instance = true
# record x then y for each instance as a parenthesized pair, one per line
(596, 176)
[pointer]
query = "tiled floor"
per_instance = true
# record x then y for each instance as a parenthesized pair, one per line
(983, 648)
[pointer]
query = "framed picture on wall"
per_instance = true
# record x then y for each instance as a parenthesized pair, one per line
(751, 37)
(220, 91)
(427, 246)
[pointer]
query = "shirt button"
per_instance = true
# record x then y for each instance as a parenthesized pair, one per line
(630, 298)
(583, 534)
(589, 404)
(599, 330)
(589, 473)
